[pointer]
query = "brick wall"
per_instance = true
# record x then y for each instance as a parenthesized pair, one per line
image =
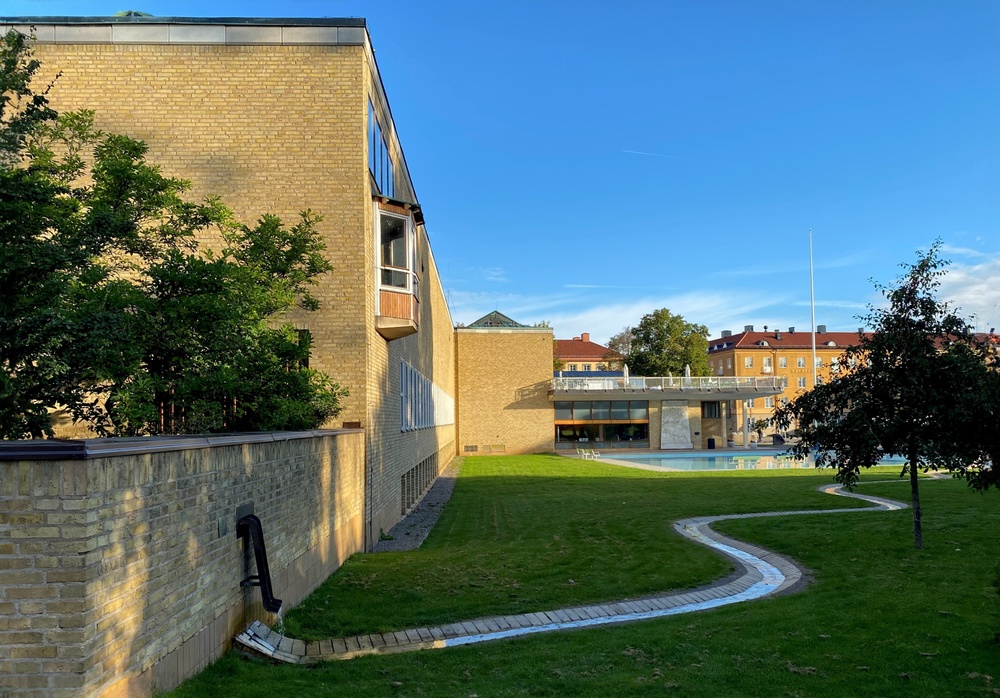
(280, 129)
(120, 574)
(503, 378)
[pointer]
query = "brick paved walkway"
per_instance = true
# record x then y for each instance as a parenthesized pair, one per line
(764, 573)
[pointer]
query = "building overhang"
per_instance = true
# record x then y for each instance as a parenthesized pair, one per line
(694, 389)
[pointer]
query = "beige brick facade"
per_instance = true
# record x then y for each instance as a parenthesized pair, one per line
(281, 128)
(120, 574)
(504, 377)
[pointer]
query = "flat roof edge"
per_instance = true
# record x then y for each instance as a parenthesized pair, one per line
(259, 21)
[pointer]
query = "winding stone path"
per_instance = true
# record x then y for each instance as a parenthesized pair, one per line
(764, 573)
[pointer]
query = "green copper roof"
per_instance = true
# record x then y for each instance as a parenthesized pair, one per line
(495, 319)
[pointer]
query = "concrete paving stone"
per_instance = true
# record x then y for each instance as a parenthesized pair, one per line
(502, 622)
(352, 643)
(561, 616)
(573, 613)
(436, 633)
(366, 642)
(469, 628)
(299, 648)
(285, 645)
(313, 649)
(492, 625)
(453, 630)
(339, 646)
(378, 641)
(389, 640)
(412, 635)
(425, 634)
(401, 638)
(481, 626)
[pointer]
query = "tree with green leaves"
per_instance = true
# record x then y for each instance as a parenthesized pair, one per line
(111, 310)
(663, 344)
(907, 390)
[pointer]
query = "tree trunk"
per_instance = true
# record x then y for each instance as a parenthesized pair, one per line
(918, 534)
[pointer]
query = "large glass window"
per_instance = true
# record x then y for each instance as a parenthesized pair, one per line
(710, 410)
(619, 409)
(602, 410)
(564, 411)
(393, 243)
(379, 160)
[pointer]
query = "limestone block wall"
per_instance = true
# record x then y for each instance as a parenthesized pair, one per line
(120, 569)
(504, 377)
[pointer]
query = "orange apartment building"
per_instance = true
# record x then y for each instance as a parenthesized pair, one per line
(783, 354)
(581, 354)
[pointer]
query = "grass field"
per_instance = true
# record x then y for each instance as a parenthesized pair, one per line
(540, 532)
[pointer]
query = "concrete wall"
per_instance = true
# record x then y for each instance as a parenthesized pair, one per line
(503, 379)
(120, 573)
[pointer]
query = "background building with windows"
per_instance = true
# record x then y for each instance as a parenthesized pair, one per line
(582, 355)
(784, 354)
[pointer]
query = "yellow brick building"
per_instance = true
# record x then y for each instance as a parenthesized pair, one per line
(782, 354)
(280, 116)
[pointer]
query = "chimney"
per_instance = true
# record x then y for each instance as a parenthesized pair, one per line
(791, 330)
(861, 330)
(777, 335)
(576, 339)
(748, 328)
(820, 329)
(586, 336)
(727, 333)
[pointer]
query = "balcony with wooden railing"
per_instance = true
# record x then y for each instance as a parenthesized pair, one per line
(398, 312)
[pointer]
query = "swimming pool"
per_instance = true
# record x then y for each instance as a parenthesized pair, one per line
(732, 460)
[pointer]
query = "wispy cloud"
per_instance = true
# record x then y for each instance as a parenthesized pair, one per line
(495, 274)
(653, 155)
(962, 251)
(598, 286)
(846, 305)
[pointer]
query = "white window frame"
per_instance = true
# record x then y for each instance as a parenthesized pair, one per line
(747, 362)
(409, 255)
(802, 382)
(800, 362)
(782, 362)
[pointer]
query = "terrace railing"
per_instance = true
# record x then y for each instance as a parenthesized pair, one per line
(729, 384)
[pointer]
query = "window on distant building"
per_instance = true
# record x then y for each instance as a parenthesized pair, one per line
(586, 367)
(767, 364)
(782, 362)
(769, 402)
(572, 367)
(819, 361)
(729, 362)
(802, 382)
(750, 403)
(800, 362)
(784, 401)
(747, 362)
(710, 410)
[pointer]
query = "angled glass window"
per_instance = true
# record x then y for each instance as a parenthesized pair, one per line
(393, 250)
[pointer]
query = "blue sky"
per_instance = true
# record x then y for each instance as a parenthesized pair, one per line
(584, 163)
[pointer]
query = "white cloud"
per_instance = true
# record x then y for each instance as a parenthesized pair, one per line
(495, 274)
(961, 251)
(975, 291)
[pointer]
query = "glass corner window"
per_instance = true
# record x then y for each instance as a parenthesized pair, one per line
(393, 243)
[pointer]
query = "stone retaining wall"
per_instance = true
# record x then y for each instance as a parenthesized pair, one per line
(120, 568)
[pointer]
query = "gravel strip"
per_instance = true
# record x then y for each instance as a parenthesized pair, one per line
(410, 533)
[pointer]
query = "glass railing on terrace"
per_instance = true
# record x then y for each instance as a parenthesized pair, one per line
(683, 383)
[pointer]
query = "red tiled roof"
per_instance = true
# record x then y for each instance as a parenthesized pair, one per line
(782, 340)
(580, 349)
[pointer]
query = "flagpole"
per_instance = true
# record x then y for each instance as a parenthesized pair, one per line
(812, 304)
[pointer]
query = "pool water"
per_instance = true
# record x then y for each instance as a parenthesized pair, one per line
(732, 460)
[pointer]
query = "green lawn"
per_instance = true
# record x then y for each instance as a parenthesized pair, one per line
(880, 618)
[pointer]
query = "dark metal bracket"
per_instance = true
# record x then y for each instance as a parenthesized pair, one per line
(250, 527)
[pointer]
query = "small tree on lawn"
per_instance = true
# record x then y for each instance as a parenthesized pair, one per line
(898, 394)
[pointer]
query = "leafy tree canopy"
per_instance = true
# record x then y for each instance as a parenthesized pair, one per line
(916, 386)
(108, 307)
(663, 344)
